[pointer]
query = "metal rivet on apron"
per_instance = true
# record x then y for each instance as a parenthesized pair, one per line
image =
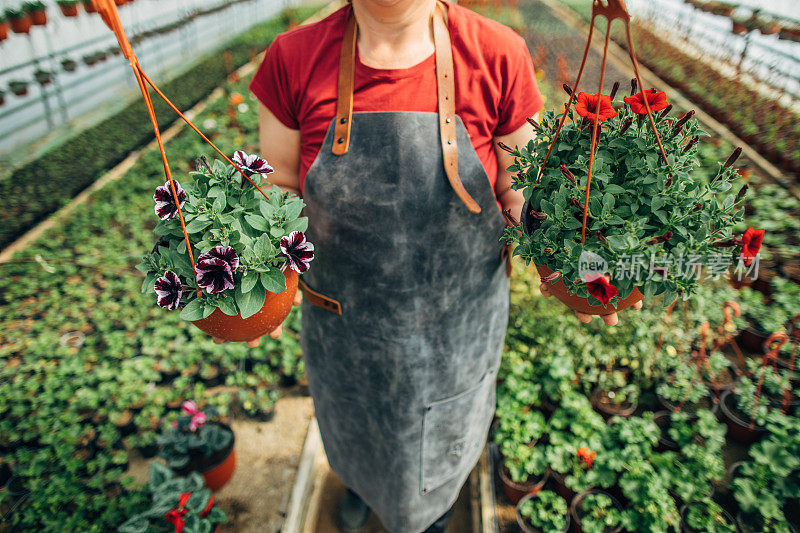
(449, 141)
(340, 140)
(447, 120)
(342, 120)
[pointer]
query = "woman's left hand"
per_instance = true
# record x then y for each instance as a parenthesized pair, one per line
(610, 320)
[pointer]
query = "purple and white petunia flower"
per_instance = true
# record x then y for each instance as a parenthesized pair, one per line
(169, 290)
(252, 164)
(165, 202)
(298, 252)
(214, 269)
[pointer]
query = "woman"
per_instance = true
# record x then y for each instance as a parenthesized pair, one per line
(385, 117)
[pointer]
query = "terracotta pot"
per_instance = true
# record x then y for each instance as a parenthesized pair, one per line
(234, 328)
(69, 11)
(738, 429)
(218, 475)
(39, 18)
(3, 30)
(582, 305)
(89, 7)
(516, 491)
(523, 524)
(575, 514)
(739, 29)
(559, 289)
(21, 24)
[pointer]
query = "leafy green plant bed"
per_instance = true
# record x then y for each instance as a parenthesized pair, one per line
(91, 371)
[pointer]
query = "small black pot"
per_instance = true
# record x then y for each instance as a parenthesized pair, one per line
(738, 429)
(575, 514)
(686, 529)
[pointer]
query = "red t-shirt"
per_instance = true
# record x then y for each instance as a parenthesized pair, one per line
(494, 79)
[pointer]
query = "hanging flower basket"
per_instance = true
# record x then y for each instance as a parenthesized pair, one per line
(612, 212)
(69, 64)
(19, 21)
(631, 235)
(3, 28)
(43, 77)
(248, 246)
(18, 87)
(37, 11)
(69, 8)
(88, 6)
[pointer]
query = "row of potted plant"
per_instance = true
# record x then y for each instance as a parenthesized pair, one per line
(551, 434)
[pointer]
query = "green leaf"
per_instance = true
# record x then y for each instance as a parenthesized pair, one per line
(249, 303)
(197, 225)
(228, 306)
(273, 280)
(301, 224)
(193, 310)
(249, 280)
(257, 222)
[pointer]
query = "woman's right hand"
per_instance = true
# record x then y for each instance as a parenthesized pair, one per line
(298, 298)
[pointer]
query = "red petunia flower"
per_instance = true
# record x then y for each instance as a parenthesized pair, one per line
(751, 244)
(586, 105)
(586, 456)
(657, 101)
(599, 287)
(175, 516)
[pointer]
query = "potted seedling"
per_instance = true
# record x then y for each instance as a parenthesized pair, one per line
(43, 77)
(594, 511)
(3, 26)
(37, 11)
(543, 512)
(196, 442)
(706, 516)
(238, 277)
(177, 504)
(18, 87)
(69, 8)
(766, 486)
(615, 397)
(602, 244)
(523, 467)
(19, 20)
(683, 390)
(69, 64)
(259, 404)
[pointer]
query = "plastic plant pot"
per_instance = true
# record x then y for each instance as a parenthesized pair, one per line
(19, 88)
(581, 304)
(523, 524)
(738, 429)
(575, 514)
(236, 329)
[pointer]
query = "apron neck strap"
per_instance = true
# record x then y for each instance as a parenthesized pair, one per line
(445, 88)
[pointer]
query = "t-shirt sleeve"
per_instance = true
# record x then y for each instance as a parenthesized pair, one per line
(271, 85)
(521, 98)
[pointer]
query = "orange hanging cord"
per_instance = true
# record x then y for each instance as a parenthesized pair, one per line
(108, 12)
(610, 9)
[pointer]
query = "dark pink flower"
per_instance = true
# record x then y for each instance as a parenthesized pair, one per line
(214, 269)
(165, 201)
(298, 252)
(251, 164)
(169, 290)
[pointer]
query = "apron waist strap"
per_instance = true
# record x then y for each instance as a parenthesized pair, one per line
(334, 306)
(320, 300)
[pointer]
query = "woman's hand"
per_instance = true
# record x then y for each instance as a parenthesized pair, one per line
(298, 298)
(610, 320)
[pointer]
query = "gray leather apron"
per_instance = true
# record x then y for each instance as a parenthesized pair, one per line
(403, 380)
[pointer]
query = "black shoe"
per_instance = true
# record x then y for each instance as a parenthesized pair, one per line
(353, 513)
(440, 526)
